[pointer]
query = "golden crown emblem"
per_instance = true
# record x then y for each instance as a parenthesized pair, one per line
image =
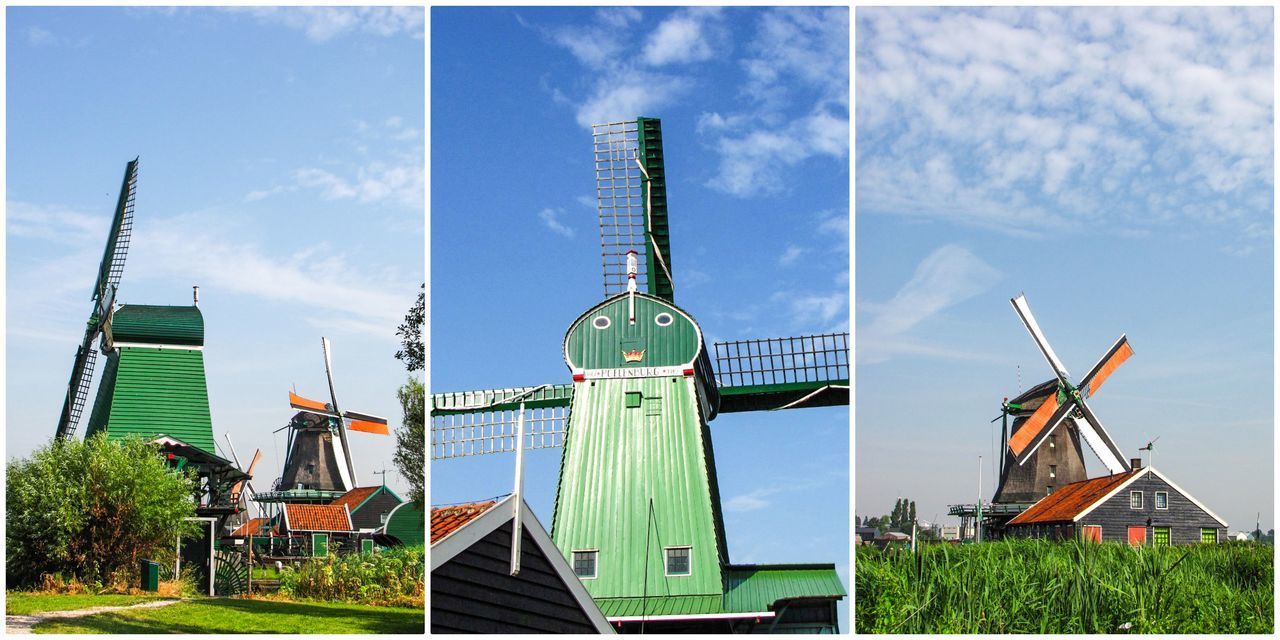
(634, 355)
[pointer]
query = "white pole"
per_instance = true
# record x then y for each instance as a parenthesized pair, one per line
(978, 523)
(517, 498)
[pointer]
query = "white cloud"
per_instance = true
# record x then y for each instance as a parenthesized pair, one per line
(1054, 117)
(40, 37)
(551, 219)
(791, 254)
(321, 24)
(681, 38)
(59, 224)
(749, 501)
(946, 277)
(624, 97)
(374, 182)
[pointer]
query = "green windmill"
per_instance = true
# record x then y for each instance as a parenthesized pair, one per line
(637, 509)
(153, 385)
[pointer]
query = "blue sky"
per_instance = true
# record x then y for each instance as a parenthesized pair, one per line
(1114, 165)
(754, 109)
(281, 170)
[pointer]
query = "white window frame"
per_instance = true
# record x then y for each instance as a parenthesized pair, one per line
(666, 564)
(1166, 500)
(595, 564)
(1140, 500)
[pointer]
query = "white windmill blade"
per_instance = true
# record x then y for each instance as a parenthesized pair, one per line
(350, 476)
(1100, 441)
(1024, 311)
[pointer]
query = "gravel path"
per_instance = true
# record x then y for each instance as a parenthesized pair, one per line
(23, 624)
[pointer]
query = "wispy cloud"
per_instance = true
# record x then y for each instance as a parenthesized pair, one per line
(551, 219)
(1036, 120)
(391, 173)
(321, 24)
(189, 248)
(798, 59)
(945, 278)
(791, 254)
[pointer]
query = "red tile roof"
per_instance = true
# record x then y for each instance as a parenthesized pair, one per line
(254, 527)
(354, 497)
(316, 517)
(1067, 502)
(446, 520)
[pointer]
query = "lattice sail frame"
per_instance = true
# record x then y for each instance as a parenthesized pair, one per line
(460, 435)
(620, 203)
(779, 361)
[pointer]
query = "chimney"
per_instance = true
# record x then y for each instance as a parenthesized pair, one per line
(195, 295)
(1136, 463)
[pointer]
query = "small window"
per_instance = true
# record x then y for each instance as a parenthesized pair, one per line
(1162, 499)
(1048, 491)
(601, 322)
(1053, 471)
(663, 319)
(1208, 535)
(383, 517)
(584, 564)
(1053, 437)
(678, 561)
(633, 399)
(1135, 499)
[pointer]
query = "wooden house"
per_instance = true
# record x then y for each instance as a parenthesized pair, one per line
(370, 507)
(472, 586)
(1139, 507)
(316, 528)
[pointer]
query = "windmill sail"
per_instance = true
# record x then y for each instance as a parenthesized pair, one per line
(108, 281)
(631, 196)
(783, 373)
(473, 423)
(1069, 400)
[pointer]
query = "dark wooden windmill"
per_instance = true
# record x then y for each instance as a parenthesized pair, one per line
(1050, 421)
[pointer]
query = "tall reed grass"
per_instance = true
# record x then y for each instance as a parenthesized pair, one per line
(1037, 586)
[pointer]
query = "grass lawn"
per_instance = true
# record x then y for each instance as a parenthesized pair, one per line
(225, 615)
(20, 604)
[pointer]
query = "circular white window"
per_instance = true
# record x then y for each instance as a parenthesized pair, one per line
(663, 319)
(601, 323)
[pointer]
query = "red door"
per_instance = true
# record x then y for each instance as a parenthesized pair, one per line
(1092, 533)
(1137, 535)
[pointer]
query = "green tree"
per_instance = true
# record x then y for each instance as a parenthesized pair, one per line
(411, 439)
(911, 516)
(90, 509)
(412, 348)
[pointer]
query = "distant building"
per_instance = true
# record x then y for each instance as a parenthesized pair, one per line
(950, 532)
(370, 507)
(1139, 507)
(865, 535)
(1239, 536)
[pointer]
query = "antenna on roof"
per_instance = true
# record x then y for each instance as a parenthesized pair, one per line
(382, 473)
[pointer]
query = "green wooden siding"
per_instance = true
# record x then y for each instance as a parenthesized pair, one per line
(152, 324)
(655, 204)
(408, 524)
(615, 460)
(148, 391)
(587, 347)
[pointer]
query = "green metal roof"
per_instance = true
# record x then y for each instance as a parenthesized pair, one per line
(660, 606)
(149, 391)
(408, 524)
(758, 587)
(155, 324)
(750, 589)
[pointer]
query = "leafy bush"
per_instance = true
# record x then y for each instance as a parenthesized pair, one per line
(393, 577)
(87, 511)
(1037, 586)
